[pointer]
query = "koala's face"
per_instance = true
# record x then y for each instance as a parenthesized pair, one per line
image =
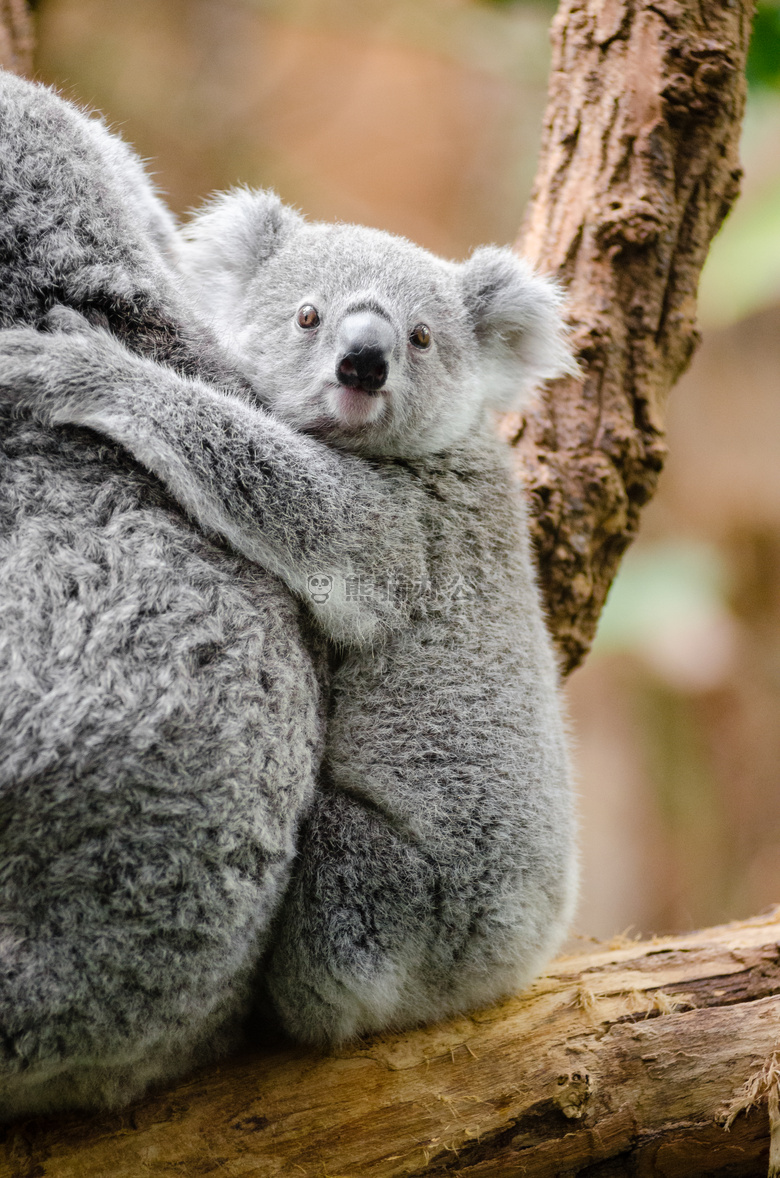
(364, 339)
(361, 339)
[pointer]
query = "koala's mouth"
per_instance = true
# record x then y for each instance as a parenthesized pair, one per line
(353, 406)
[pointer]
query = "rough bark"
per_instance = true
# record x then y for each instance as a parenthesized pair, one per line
(632, 1059)
(639, 166)
(16, 36)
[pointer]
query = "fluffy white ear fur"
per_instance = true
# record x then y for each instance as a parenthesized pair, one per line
(226, 243)
(516, 315)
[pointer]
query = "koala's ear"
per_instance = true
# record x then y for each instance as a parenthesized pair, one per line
(517, 319)
(226, 243)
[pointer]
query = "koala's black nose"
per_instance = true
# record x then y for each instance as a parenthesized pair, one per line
(365, 344)
(365, 369)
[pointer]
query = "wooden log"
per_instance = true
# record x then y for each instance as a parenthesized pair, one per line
(639, 165)
(629, 1059)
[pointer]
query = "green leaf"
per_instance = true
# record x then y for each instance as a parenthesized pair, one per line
(763, 64)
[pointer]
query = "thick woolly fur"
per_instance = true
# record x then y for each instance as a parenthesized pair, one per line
(435, 867)
(160, 716)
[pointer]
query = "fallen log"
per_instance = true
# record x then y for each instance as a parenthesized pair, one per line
(639, 1057)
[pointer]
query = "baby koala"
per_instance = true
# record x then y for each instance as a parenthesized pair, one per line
(436, 868)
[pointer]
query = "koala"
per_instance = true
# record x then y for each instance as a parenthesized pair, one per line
(161, 697)
(436, 867)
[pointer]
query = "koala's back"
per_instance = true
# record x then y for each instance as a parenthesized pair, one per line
(159, 735)
(160, 723)
(78, 213)
(81, 225)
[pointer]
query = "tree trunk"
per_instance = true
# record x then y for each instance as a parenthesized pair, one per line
(647, 1058)
(16, 37)
(639, 166)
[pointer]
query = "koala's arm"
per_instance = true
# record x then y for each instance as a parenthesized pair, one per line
(284, 500)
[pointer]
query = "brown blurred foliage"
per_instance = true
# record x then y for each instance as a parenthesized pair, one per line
(680, 740)
(421, 119)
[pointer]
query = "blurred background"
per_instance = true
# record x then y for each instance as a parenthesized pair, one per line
(423, 117)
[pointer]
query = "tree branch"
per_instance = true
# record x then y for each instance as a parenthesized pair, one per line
(638, 168)
(629, 1060)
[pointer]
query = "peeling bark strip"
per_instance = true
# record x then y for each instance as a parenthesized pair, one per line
(631, 1059)
(16, 37)
(639, 166)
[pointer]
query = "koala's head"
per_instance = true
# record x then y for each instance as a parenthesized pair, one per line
(364, 339)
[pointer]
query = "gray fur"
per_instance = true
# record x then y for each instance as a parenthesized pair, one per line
(436, 867)
(160, 714)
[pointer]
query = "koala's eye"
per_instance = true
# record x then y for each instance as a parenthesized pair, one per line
(308, 316)
(420, 336)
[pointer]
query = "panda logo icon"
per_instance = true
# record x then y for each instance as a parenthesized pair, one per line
(320, 587)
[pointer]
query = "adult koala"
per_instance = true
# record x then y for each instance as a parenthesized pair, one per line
(160, 716)
(436, 867)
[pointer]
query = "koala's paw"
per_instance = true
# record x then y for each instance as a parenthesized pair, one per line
(51, 374)
(65, 319)
(24, 366)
